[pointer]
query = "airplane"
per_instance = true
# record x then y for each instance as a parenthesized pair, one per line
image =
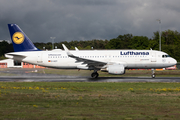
(111, 61)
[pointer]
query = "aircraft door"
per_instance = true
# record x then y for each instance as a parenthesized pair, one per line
(153, 57)
(39, 58)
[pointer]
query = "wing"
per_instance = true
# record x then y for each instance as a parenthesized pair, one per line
(88, 62)
(15, 56)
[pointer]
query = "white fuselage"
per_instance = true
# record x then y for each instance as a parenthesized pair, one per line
(131, 59)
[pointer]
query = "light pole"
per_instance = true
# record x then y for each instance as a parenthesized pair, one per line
(52, 38)
(159, 34)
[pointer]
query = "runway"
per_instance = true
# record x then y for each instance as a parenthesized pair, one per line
(85, 79)
(23, 75)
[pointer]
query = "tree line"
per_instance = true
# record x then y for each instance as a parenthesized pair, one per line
(170, 43)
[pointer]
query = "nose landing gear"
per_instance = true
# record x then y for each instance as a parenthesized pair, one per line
(153, 74)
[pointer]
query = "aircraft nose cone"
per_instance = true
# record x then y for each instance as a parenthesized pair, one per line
(174, 62)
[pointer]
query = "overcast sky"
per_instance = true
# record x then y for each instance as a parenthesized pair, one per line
(69, 20)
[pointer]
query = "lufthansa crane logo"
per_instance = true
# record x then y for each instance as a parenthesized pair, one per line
(18, 37)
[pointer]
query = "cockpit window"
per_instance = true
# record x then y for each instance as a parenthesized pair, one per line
(165, 56)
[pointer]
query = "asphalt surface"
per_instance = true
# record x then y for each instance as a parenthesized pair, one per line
(26, 75)
(85, 79)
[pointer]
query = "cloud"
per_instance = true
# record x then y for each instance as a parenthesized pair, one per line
(69, 20)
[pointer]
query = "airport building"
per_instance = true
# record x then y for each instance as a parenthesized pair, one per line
(10, 63)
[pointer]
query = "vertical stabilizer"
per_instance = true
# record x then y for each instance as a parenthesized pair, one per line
(19, 39)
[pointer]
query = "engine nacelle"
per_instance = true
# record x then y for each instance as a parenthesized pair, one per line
(116, 69)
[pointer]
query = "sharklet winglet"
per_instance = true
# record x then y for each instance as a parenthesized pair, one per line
(67, 50)
(76, 49)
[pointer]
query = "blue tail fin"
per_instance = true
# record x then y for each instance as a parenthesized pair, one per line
(19, 39)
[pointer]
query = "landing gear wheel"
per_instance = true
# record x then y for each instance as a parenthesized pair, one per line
(94, 75)
(153, 75)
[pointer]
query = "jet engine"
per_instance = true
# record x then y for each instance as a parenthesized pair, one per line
(116, 69)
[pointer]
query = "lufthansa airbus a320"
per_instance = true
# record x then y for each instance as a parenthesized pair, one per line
(111, 61)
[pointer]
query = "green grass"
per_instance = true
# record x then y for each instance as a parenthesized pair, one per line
(7, 74)
(87, 101)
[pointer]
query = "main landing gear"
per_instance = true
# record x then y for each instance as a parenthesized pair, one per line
(153, 74)
(94, 74)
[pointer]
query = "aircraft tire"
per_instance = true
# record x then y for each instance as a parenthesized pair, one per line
(153, 76)
(94, 75)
